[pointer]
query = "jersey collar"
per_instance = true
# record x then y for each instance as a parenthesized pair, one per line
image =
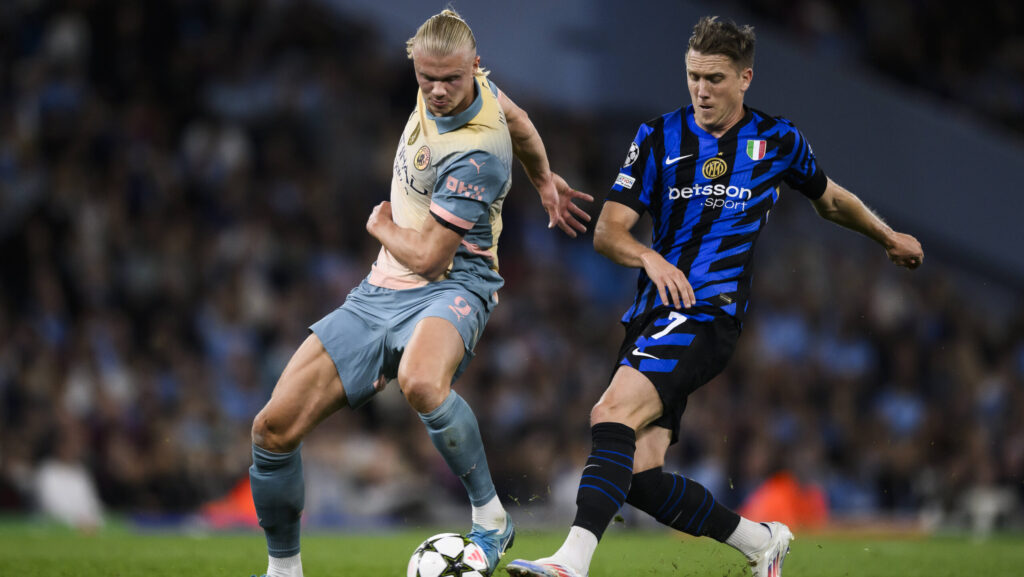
(450, 123)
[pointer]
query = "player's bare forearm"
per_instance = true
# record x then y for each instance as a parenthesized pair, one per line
(427, 252)
(613, 239)
(845, 209)
(397, 240)
(406, 245)
(555, 194)
(619, 246)
(529, 149)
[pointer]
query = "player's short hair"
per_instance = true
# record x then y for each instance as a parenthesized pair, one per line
(442, 34)
(714, 36)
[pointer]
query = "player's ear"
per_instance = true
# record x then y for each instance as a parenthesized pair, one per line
(476, 63)
(745, 77)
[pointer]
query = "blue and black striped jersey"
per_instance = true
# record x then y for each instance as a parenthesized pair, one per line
(709, 198)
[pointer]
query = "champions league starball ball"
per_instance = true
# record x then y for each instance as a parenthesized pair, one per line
(448, 554)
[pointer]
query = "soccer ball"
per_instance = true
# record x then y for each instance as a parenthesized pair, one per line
(448, 554)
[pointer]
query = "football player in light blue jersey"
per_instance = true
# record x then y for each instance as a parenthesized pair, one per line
(418, 315)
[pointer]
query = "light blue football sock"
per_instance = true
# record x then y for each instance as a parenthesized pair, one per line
(279, 493)
(454, 431)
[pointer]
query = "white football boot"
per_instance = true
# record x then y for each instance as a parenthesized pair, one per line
(768, 561)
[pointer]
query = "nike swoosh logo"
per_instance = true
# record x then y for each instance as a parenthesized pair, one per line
(638, 353)
(671, 161)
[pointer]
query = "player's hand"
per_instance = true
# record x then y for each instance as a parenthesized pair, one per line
(671, 281)
(557, 197)
(379, 217)
(904, 250)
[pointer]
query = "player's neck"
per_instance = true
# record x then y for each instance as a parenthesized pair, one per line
(719, 130)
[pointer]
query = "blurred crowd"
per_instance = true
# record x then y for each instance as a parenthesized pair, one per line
(969, 53)
(183, 190)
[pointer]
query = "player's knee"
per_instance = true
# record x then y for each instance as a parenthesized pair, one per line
(423, 394)
(621, 409)
(606, 411)
(268, 435)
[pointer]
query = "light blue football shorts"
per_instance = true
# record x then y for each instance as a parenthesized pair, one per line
(367, 335)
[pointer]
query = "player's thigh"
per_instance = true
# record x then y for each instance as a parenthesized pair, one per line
(651, 444)
(437, 342)
(355, 337)
(431, 358)
(308, 391)
(630, 399)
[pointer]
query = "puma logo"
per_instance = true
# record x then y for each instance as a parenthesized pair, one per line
(478, 166)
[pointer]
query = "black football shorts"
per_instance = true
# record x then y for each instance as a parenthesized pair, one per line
(679, 352)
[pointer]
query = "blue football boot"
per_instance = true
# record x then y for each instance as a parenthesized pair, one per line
(494, 544)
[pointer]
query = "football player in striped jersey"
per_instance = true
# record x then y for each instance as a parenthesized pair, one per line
(708, 174)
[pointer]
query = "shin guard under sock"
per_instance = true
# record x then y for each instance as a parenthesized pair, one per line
(606, 476)
(455, 433)
(279, 493)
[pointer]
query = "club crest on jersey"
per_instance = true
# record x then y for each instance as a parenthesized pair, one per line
(714, 167)
(422, 158)
(756, 149)
(631, 156)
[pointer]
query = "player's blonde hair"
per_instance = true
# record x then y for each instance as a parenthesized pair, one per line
(443, 34)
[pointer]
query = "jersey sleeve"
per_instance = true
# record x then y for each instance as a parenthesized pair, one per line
(633, 184)
(804, 174)
(466, 187)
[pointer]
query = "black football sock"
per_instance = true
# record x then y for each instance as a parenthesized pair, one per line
(606, 476)
(682, 504)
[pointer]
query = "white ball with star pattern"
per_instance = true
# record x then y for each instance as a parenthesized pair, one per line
(450, 555)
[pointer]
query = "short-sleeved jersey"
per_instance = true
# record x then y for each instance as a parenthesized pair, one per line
(709, 199)
(457, 170)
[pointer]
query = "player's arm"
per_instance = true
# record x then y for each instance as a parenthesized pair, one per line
(613, 239)
(555, 194)
(426, 252)
(845, 209)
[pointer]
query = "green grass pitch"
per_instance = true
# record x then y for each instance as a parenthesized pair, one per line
(28, 550)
